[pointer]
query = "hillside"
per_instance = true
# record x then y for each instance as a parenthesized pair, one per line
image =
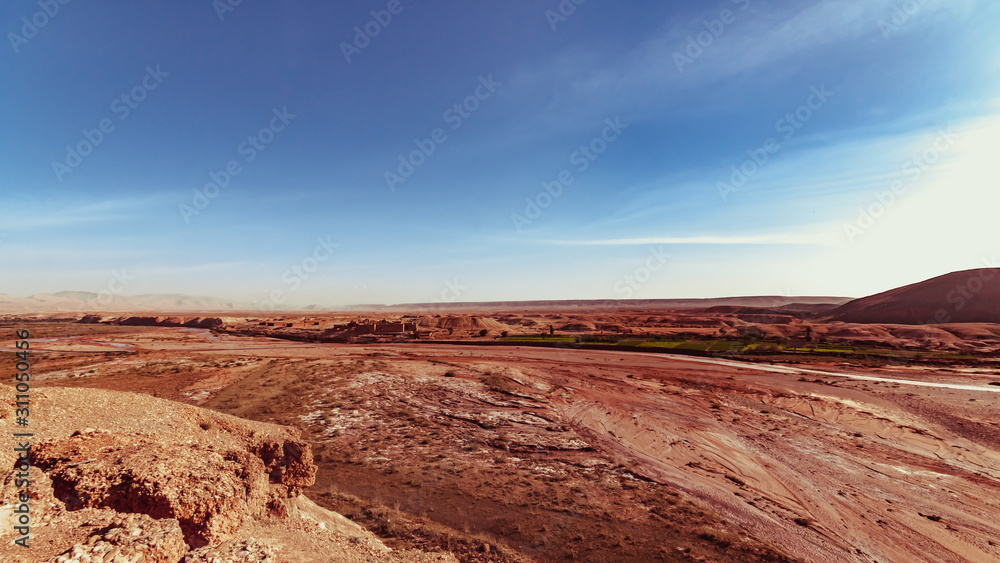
(970, 296)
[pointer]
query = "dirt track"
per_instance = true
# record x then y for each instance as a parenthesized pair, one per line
(573, 443)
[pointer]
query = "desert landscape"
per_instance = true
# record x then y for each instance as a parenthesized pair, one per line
(523, 282)
(758, 429)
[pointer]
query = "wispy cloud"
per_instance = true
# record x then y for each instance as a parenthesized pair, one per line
(644, 76)
(837, 171)
(796, 239)
(108, 210)
(772, 37)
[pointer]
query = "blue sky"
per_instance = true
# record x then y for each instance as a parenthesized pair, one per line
(647, 110)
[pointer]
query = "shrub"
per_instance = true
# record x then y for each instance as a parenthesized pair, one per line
(499, 384)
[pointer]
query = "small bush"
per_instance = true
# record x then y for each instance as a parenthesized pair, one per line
(500, 384)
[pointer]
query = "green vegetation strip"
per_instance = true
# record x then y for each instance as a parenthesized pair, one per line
(556, 339)
(732, 346)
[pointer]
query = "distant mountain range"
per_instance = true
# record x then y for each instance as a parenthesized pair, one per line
(83, 302)
(608, 304)
(960, 297)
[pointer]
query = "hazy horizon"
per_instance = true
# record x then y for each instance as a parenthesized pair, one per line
(393, 151)
(116, 300)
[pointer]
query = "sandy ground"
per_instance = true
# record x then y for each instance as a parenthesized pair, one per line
(595, 455)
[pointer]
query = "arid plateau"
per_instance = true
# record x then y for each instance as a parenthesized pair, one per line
(753, 429)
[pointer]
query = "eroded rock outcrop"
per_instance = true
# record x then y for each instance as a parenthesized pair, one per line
(210, 491)
(125, 477)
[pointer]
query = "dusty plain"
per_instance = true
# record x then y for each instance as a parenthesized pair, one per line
(779, 439)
